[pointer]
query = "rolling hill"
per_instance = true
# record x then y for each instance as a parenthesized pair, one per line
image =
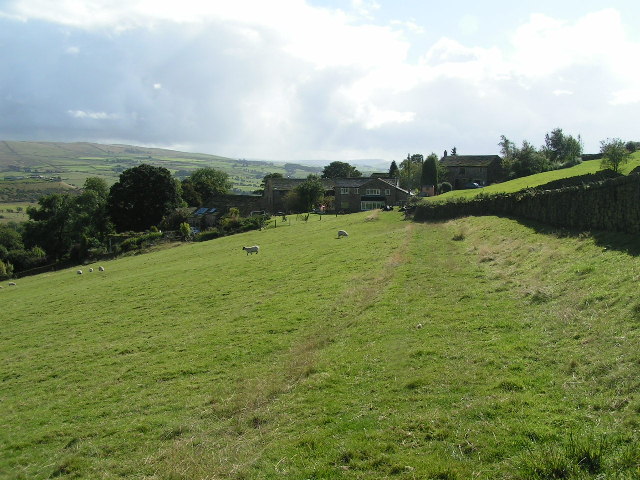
(478, 348)
(72, 163)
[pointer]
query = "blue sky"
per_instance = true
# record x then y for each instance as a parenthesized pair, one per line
(319, 80)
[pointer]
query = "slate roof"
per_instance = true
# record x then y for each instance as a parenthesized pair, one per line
(469, 160)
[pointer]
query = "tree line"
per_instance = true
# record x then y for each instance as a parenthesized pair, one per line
(72, 226)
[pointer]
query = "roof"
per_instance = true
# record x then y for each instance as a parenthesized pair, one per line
(291, 183)
(469, 160)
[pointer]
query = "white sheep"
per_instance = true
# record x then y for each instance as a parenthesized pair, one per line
(91, 270)
(253, 249)
(342, 233)
(101, 268)
(79, 272)
(12, 284)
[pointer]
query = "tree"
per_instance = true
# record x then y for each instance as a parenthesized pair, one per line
(430, 170)
(310, 192)
(209, 182)
(529, 161)
(189, 193)
(340, 170)
(562, 149)
(50, 225)
(143, 195)
(411, 171)
(394, 171)
(614, 154)
(454, 151)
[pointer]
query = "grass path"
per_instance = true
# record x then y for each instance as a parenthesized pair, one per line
(306, 360)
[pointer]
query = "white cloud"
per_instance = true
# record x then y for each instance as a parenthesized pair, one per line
(92, 115)
(560, 92)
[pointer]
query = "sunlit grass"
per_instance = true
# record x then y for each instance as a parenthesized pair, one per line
(457, 350)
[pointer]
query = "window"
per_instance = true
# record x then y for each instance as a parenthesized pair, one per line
(344, 190)
(356, 190)
(387, 191)
(371, 205)
(373, 191)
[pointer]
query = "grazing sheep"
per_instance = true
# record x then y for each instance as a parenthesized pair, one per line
(91, 270)
(101, 268)
(12, 284)
(419, 326)
(253, 249)
(342, 233)
(79, 272)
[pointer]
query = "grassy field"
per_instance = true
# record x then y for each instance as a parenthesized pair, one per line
(14, 212)
(517, 184)
(478, 348)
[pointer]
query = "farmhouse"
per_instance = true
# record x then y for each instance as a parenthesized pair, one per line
(352, 194)
(465, 169)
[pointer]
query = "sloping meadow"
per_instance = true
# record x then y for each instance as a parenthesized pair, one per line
(475, 348)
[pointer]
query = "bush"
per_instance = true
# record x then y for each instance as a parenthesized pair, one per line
(6, 270)
(208, 235)
(445, 187)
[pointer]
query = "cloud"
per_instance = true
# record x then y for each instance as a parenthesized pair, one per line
(244, 80)
(92, 115)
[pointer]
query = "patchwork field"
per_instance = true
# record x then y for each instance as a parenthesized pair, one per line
(479, 348)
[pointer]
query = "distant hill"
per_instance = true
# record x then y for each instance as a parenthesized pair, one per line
(72, 163)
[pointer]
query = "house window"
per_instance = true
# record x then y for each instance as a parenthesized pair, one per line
(387, 191)
(344, 190)
(356, 190)
(373, 191)
(371, 205)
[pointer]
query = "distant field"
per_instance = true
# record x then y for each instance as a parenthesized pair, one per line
(480, 348)
(517, 184)
(14, 212)
(75, 162)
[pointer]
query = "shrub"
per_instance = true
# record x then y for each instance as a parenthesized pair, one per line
(445, 187)
(6, 270)
(207, 235)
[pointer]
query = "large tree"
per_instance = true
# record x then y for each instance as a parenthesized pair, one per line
(340, 170)
(394, 171)
(614, 153)
(209, 182)
(143, 195)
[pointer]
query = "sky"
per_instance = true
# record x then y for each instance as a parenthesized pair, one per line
(319, 80)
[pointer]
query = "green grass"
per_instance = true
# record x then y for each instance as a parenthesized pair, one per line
(307, 360)
(14, 212)
(517, 184)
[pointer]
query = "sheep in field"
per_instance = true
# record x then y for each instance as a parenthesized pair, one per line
(91, 270)
(79, 272)
(342, 233)
(12, 284)
(253, 249)
(101, 268)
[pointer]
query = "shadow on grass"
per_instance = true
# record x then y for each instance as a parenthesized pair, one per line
(622, 242)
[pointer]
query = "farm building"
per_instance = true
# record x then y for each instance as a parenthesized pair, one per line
(463, 170)
(352, 194)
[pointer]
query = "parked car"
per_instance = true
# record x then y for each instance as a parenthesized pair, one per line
(473, 185)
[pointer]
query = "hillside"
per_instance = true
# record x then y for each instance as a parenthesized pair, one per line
(74, 162)
(590, 166)
(478, 348)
